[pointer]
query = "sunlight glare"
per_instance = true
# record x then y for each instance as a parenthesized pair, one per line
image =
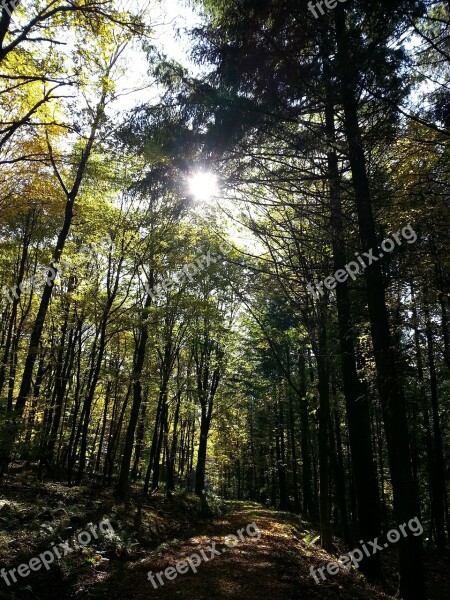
(203, 185)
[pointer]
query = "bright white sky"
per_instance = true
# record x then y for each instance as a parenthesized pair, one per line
(170, 20)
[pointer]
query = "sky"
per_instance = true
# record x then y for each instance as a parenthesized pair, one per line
(170, 20)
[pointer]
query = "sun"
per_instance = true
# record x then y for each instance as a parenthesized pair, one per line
(203, 185)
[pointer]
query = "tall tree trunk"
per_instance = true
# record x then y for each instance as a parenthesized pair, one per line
(154, 443)
(439, 488)
(321, 352)
(339, 473)
(305, 437)
(86, 412)
(64, 376)
(72, 445)
(159, 444)
(173, 446)
(114, 438)
(15, 302)
(280, 453)
(36, 391)
(201, 457)
(293, 451)
(431, 459)
(123, 484)
(356, 400)
(103, 430)
(139, 444)
(406, 504)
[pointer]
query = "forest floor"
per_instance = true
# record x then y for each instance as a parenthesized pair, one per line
(155, 533)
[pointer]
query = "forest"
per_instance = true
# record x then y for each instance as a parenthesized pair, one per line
(224, 299)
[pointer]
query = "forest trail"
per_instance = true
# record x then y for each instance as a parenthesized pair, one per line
(276, 566)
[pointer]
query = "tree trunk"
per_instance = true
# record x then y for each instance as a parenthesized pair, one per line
(293, 451)
(406, 504)
(304, 440)
(201, 458)
(15, 303)
(122, 487)
(173, 447)
(321, 353)
(438, 481)
(356, 400)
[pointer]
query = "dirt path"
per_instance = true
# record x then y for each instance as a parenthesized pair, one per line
(275, 567)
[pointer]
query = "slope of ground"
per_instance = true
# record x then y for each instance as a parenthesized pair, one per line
(275, 566)
(153, 533)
